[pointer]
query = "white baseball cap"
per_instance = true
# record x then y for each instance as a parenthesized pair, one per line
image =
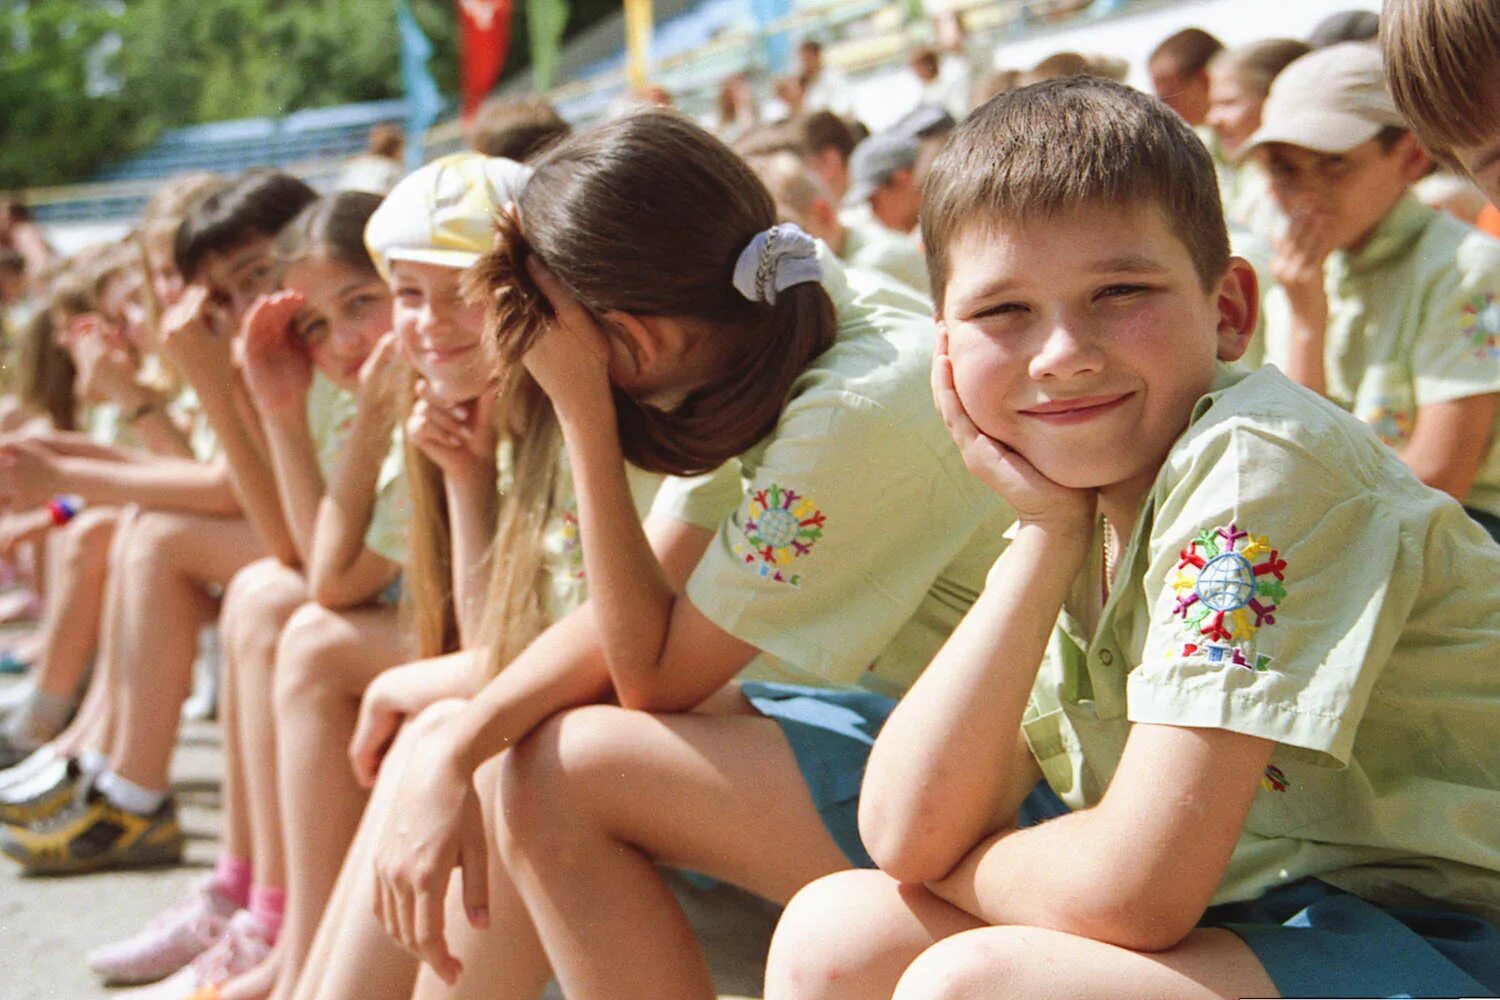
(443, 213)
(1330, 101)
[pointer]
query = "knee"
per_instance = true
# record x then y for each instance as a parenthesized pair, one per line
(302, 653)
(257, 602)
(540, 776)
(150, 544)
(828, 937)
(89, 536)
(975, 964)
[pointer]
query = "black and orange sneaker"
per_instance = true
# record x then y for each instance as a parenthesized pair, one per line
(45, 804)
(92, 834)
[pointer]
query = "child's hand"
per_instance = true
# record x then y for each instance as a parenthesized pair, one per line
(1297, 264)
(189, 339)
(382, 375)
(458, 438)
(22, 527)
(29, 475)
(278, 370)
(1035, 498)
(105, 371)
(570, 360)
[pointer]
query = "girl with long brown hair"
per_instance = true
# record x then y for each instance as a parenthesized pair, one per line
(818, 529)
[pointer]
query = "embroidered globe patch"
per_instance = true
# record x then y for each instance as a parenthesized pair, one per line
(780, 526)
(1392, 424)
(1228, 585)
(1480, 323)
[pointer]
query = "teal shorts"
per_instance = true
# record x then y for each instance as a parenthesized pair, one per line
(1317, 941)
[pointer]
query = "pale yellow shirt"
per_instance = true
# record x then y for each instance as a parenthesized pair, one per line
(330, 413)
(850, 542)
(1291, 579)
(871, 246)
(1413, 320)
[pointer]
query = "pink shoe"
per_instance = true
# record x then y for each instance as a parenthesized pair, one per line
(181, 933)
(243, 945)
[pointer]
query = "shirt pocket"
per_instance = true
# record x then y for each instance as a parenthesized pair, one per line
(1386, 400)
(1295, 794)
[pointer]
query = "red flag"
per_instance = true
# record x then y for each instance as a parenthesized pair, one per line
(485, 34)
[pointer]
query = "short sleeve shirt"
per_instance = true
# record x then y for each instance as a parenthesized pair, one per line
(847, 544)
(1413, 320)
(330, 415)
(1291, 579)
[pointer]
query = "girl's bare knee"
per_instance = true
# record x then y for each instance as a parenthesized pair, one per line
(828, 934)
(975, 964)
(302, 653)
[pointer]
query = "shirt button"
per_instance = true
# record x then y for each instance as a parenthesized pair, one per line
(1106, 657)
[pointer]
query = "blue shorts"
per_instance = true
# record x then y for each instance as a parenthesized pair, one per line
(830, 731)
(1317, 941)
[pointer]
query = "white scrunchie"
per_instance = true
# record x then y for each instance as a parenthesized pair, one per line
(774, 261)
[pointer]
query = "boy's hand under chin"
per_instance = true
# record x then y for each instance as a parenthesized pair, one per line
(1036, 499)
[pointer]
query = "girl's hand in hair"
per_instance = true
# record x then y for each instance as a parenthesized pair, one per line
(278, 369)
(105, 369)
(570, 360)
(433, 827)
(1035, 498)
(382, 375)
(458, 438)
(29, 474)
(189, 340)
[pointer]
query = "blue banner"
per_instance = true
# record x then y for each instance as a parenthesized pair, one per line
(424, 102)
(776, 48)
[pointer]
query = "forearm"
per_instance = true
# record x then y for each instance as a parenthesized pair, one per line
(299, 481)
(1305, 364)
(166, 483)
(74, 444)
(938, 772)
(250, 472)
(473, 505)
(562, 668)
(632, 598)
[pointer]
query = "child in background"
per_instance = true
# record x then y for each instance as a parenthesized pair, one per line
(169, 561)
(322, 370)
(1238, 81)
(1251, 655)
(1441, 58)
(1179, 72)
(674, 326)
(1385, 306)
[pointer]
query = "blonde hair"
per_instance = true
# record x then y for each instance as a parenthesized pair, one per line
(1441, 57)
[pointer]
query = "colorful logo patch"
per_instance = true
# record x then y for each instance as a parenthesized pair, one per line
(780, 526)
(1228, 583)
(571, 544)
(1480, 323)
(1391, 424)
(1274, 780)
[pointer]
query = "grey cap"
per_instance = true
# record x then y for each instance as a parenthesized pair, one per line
(1330, 101)
(925, 121)
(875, 160)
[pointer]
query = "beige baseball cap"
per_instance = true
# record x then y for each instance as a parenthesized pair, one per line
(443, 213)
(1330, 101)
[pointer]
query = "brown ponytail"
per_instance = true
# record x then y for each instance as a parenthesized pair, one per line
(648, 214)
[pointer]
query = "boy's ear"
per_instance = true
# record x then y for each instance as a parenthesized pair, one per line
(1414, 158)
(1238, 302)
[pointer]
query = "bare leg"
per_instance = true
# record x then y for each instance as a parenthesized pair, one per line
(79, 552)
(257, 604)
(351, 955)
(862, 935)
(324, 661)
(167, 564)
(596, 797)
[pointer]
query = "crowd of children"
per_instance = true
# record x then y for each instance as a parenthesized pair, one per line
(1051, 546)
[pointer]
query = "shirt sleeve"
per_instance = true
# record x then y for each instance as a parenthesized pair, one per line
(1272, 603)
(389, 519)
(838, 535)
(704, 501)
(1457, 351)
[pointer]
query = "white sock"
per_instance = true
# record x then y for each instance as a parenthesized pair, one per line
(127, 795)
(48, 771)
(33, 763)
(92, 763)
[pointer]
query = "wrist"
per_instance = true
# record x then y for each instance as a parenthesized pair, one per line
(1067, 541)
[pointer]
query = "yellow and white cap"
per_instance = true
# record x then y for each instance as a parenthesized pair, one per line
(443, 213)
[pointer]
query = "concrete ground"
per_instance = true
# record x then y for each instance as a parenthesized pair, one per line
(46, 925)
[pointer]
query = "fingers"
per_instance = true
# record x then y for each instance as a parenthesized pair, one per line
(564, 306)
(429, 917)
(473, 858)
(373, 733)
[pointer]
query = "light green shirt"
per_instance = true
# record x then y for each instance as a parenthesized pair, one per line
(330, 413)
(872, 246)
(1413, 320)
(1291, 579)
(850, 542)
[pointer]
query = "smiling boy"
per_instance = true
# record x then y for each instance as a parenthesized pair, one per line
(1385, 306)
(1247, 649)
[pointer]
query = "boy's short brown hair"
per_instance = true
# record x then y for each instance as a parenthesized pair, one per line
(1441, 60)
(1057, 145)
(517, 128)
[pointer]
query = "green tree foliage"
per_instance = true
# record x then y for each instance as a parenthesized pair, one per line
(82, 81)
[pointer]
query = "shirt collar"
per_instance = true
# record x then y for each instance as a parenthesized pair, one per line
(1402, 226)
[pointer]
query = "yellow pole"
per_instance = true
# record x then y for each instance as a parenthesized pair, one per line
(637, 41)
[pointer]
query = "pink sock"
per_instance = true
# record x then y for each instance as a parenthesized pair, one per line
(267, 906)
(232, 877)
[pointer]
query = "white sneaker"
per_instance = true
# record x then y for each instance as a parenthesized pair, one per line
(178, 935)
